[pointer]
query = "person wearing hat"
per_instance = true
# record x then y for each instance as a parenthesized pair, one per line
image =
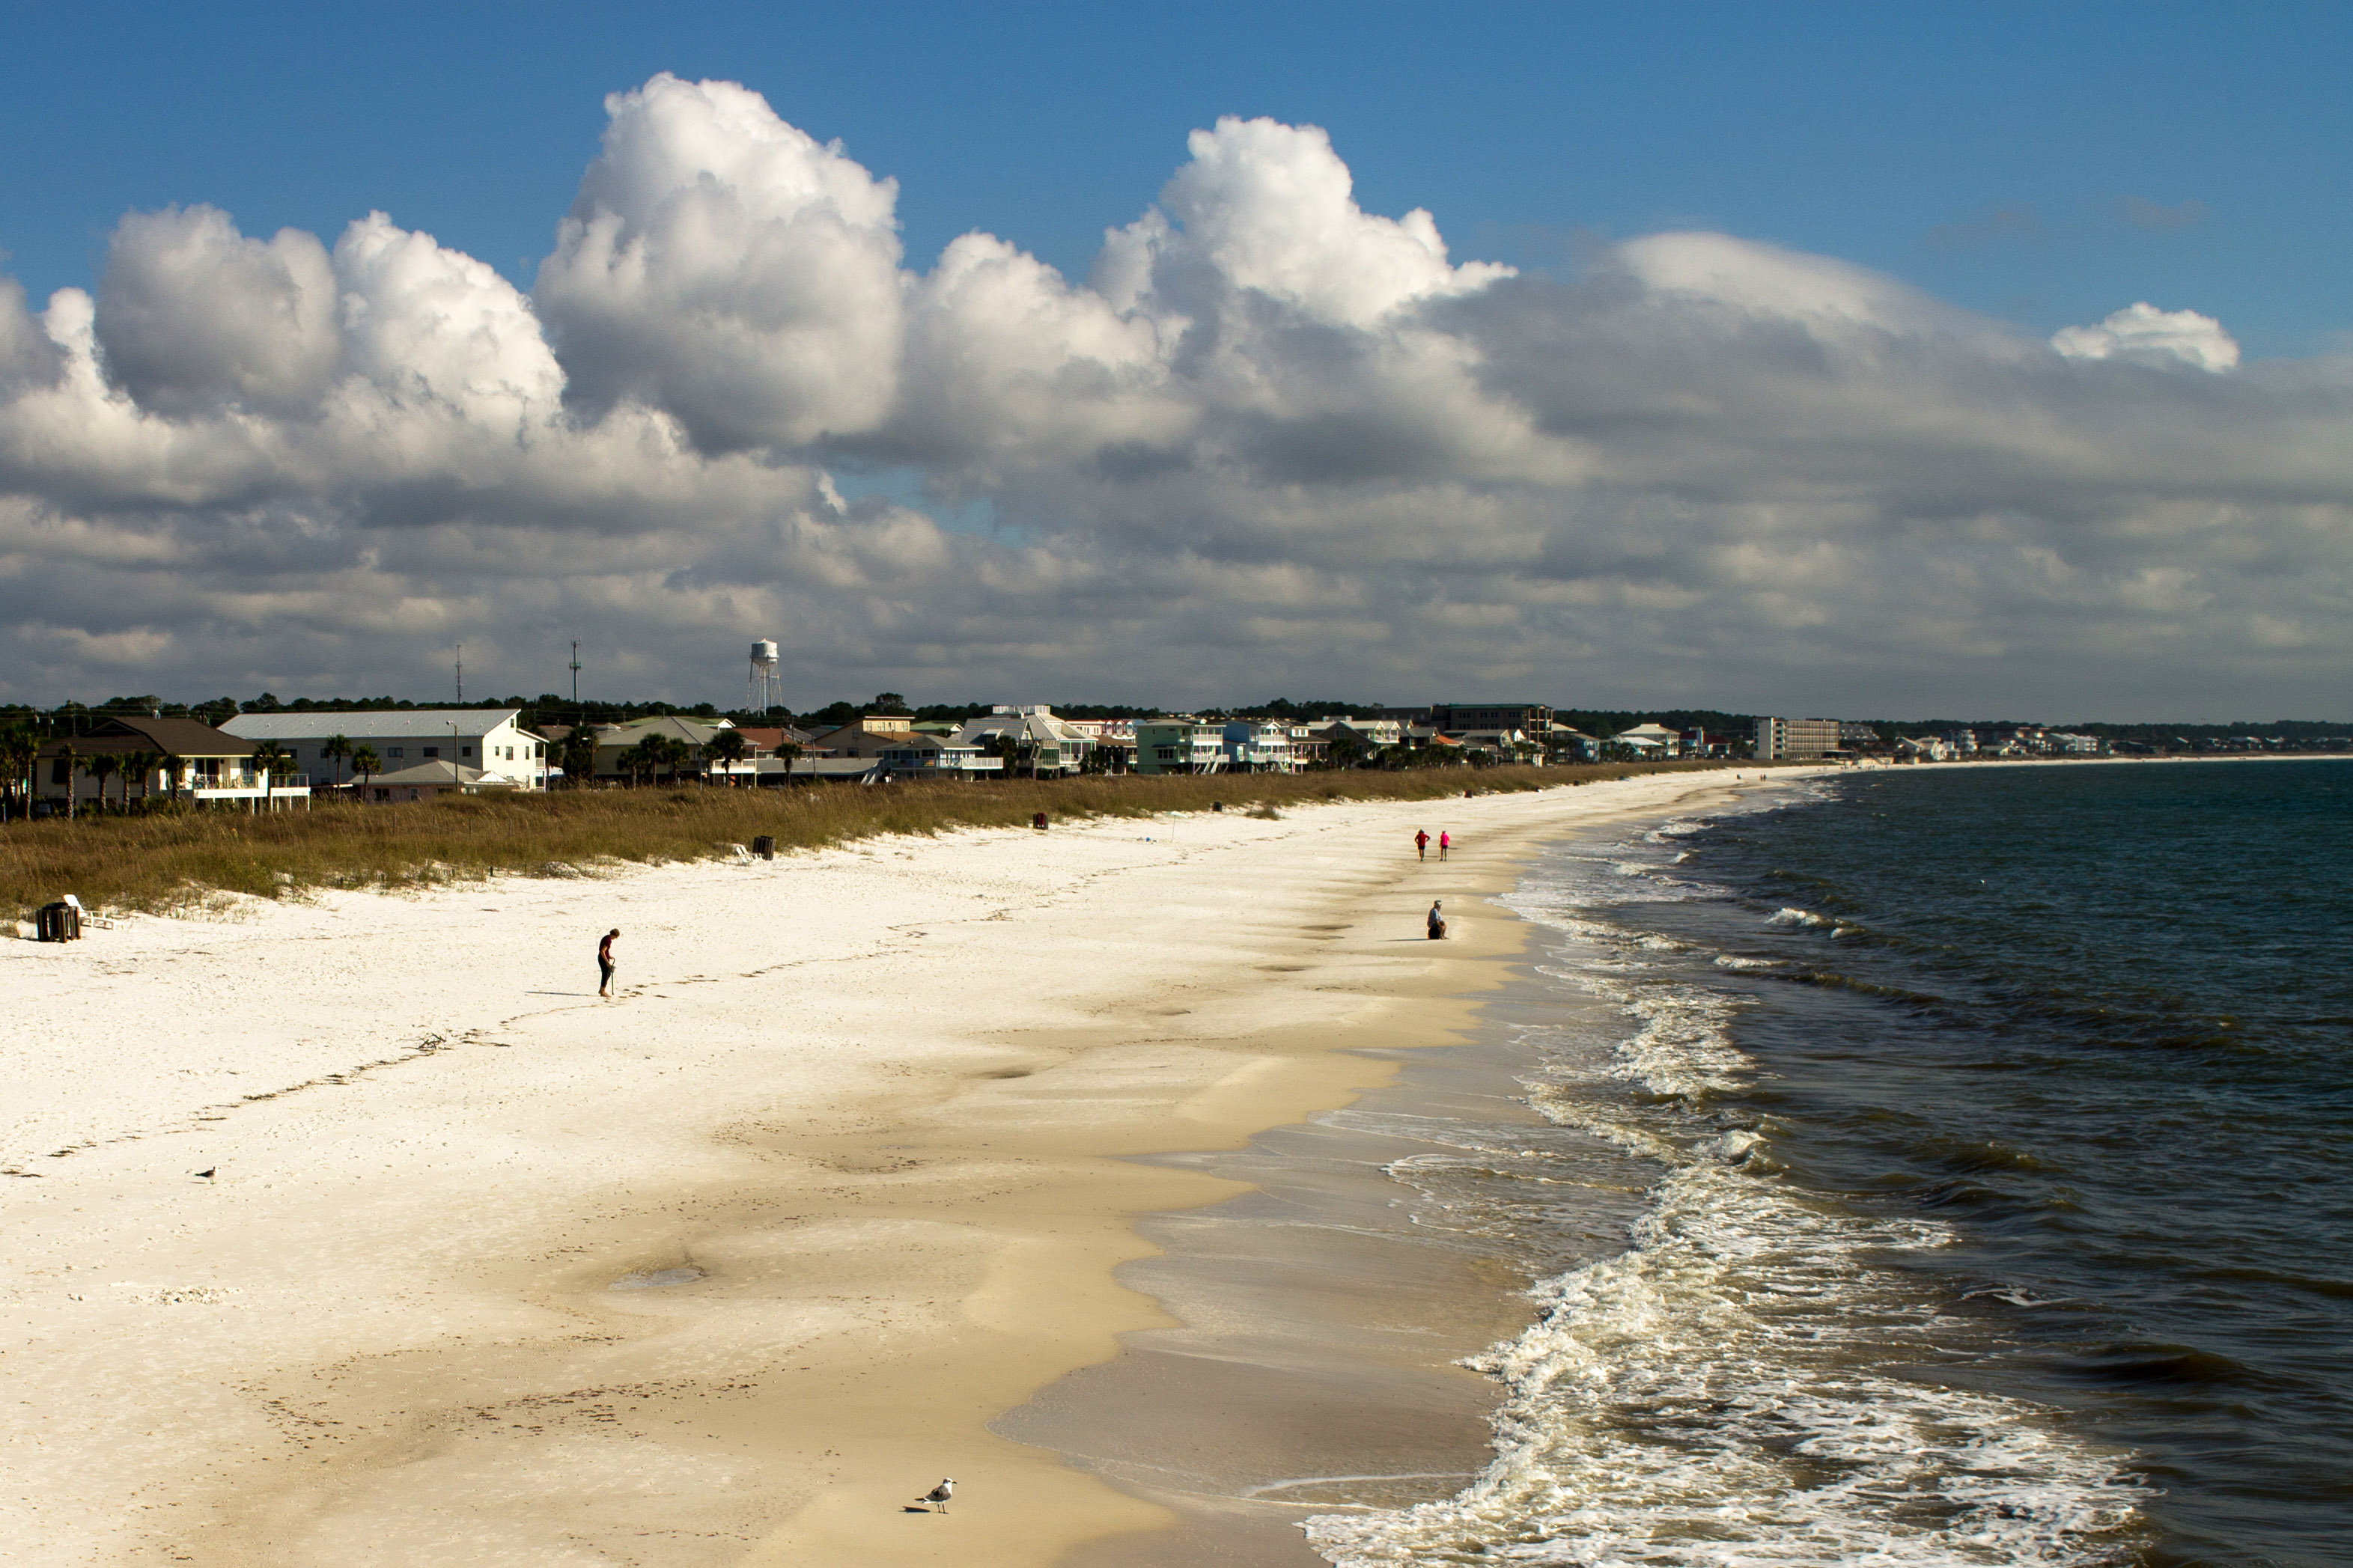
(605, 963)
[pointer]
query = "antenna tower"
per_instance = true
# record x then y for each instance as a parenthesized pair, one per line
(461, 674)
(576, 672)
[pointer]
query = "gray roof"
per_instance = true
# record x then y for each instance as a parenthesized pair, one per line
(413, 723)
(438, 771)
(669, 726)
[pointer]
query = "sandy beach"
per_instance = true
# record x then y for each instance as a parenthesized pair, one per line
(731, 1267)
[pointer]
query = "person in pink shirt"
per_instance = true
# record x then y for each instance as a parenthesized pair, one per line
(1445, 843)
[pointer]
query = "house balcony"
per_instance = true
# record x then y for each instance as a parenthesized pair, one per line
(258, 791)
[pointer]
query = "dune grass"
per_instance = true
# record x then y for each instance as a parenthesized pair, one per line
(174, 858)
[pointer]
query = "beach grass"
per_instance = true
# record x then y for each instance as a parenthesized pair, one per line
(177, 858)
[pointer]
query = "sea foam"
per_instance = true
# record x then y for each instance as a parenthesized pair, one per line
(1725, 1392)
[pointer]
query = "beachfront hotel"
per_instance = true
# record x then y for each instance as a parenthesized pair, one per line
(1784, 740)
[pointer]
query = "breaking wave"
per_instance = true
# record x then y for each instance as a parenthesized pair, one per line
(1746, 1383)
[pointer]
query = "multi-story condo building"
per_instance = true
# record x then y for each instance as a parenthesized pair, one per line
(1780, 740)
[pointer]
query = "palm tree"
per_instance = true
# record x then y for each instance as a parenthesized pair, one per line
(366, 763)
(140, 765)
(68, 755)
(336, 749)
(20, 751)
(101, 768)
(267, 758)
(578, 756)
(728, 747)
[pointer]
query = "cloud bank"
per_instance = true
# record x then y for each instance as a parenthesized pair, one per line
(1274, 442)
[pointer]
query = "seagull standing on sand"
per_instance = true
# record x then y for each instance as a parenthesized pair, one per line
(940, 1494)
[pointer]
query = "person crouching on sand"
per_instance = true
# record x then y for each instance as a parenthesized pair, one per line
(1437, 921)
(1420, 845)
(605, 963)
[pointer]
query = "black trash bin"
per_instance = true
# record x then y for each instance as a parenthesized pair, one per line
(764, 847)
(59, 922)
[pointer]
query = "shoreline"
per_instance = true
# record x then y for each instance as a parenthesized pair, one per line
(861, 1155)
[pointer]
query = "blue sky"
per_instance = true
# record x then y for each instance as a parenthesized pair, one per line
(2045, 164)
(1698, 450)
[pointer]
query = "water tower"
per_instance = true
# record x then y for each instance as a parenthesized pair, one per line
(767, 684)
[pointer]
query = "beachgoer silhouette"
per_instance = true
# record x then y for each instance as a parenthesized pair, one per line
(1437, 921)
(1420, 845)
(1445, 843)
(605, 963)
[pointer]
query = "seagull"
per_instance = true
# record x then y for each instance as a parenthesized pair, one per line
(207, 1173)
(941, 1493)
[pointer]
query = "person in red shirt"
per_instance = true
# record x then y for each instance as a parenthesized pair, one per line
(1421, 846)
(605, 963)
(1445, 844)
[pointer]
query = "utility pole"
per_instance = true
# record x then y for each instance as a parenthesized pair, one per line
(576, 672)
(461, 674)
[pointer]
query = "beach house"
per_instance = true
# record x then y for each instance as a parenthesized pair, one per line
(615, 741)
(491, 741)
(1649, 741)
(1258, 746)
(918, 755)
(178, 758)
(1044, 746)
(865, 737)
(1181, 744)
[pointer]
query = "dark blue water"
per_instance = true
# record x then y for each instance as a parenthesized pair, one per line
(2100, 1021)
(1995, 1131)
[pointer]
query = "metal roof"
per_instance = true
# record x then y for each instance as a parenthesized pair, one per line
(438, 771)
(366, 724)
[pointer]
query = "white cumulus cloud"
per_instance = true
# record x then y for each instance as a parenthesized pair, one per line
(2143, 332)
(1272, 441)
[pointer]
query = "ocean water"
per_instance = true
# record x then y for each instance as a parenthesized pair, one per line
(1981, 1145)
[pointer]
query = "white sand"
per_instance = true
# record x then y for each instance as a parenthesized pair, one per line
(876, 1096)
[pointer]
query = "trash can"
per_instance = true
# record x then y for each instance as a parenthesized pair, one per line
(764, 847)
(59, 922)
(1216, 806)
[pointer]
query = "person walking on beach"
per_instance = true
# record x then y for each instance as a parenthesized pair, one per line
(1445, 843)
(1437, 921)
(1420, 845)
(605, 963)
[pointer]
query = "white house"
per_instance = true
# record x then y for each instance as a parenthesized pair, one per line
(491, 740)
(1044, 744)
(1649, 740)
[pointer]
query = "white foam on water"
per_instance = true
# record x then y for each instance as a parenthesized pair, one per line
(1793, 916)
(1724, 1394)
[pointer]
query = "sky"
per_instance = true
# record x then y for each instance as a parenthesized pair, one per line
(1834, 358)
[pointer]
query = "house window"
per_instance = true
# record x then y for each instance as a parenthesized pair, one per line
(465, 751)
(394, 751)
(61, 771)
(432, 751)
